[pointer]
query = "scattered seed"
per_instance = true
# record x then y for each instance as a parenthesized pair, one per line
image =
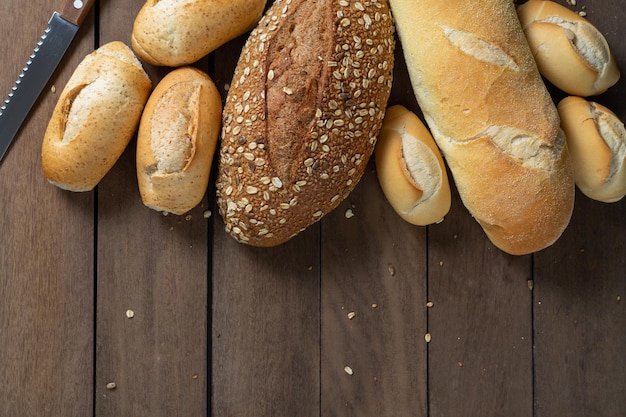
(531, 284)
(391, 269)
(427, 337)
(349, 214)
(348, 370)
(188, 217)
(207, 214)
(130, 314)
(582, 13)
(53, 89)
(619, 298)
(460, 363)
(351, 315)
(194, 376)
(374, 305)
(440, 263)
(111, 385)
(430, 304)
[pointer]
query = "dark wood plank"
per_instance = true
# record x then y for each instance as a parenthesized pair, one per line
(373, 309)
(157, 267)
(46, 259)
(579, 316)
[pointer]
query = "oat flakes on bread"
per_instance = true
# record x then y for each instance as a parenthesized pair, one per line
(95, 118)
(302, 115)
(490, 113)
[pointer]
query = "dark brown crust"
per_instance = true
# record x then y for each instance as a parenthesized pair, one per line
(302, 115)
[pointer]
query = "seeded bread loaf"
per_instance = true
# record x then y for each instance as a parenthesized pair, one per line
(179, 32)
(410, 169)
(570, 52)
(302, 115)
(177, 140)
(597, 142)
(487, 108)
(95, 118)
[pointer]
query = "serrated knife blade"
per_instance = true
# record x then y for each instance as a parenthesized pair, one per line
(48, 52)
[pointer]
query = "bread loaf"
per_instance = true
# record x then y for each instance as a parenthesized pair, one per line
(179, 32)
(570, 52)
(302, 115)
(95, 118)
(410, 169)
(490, 113)
(177, 139)
(597, 142)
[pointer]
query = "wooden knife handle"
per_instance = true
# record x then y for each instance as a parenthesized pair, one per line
(75, 11)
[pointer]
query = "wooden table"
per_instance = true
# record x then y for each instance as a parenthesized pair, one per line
(224, 329)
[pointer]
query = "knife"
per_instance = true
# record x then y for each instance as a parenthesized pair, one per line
(57, 37)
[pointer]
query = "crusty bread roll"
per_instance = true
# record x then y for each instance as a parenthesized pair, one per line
(570, 52)
(597, 142)
(410, 169)
(95, 118)
(489, 112)
(302, 115)
(179, 32)
(177, 140)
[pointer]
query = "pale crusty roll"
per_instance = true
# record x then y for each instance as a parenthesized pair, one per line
(597, 142)
(302, 115)
(95, 118)
(410, 169)
(179, 32)
(487, 108)
(570, 52)
(177, 140)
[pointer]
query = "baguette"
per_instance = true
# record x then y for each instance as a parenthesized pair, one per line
(302, 115)
(176, 142)
(570, 52)
(410, 169)
(95, 118)
(597, 143)
(175, 33)
(489, 112)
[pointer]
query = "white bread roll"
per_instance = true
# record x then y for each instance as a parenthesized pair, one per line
(488, 109)
(179, 32)
(410, 169)
(177, 140)
(597, 142)
(570, 52)
(95, 118)
(302, 115)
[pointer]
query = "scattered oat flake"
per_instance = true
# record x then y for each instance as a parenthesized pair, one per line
(430, 304)
(130, 314)
(348, 370)
(351, 315)
(207, 214)
(349, 214)
(111, 385)
(427, 337)
(582, 14)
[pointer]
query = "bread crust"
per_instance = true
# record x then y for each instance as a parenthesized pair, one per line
(570, 52)
(95, 118)
(410, 169)
(177, 140)
(597, 142)
(175, 33)
(491, 115)
(302, 115)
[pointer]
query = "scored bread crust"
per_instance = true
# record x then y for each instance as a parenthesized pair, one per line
(487, 108)
(95, 118)
(177, 139)
(179, 32)
(302, 115)
(410, 169)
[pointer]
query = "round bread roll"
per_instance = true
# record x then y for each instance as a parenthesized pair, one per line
(302, 115)
(410, 169)
(570, 52)
(177, 140)
(179, 32)
(95, 118)
(597, 143)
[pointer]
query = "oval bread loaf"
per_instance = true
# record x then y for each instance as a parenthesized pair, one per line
(177, 140)
(302, 115)
(95, 118)
(491, 115)
(179, 32)
(570, 52)
(410, 169)
(597, 142)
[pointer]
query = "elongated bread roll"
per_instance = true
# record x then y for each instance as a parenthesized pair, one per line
(302, 115)
(597, 142)
(177, 140)
(410, 169)
(95, 118)
(179, 32)
(488, 110)
(570, 52)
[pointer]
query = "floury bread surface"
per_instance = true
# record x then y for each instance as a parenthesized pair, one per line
(302, 115)
(488, 109)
